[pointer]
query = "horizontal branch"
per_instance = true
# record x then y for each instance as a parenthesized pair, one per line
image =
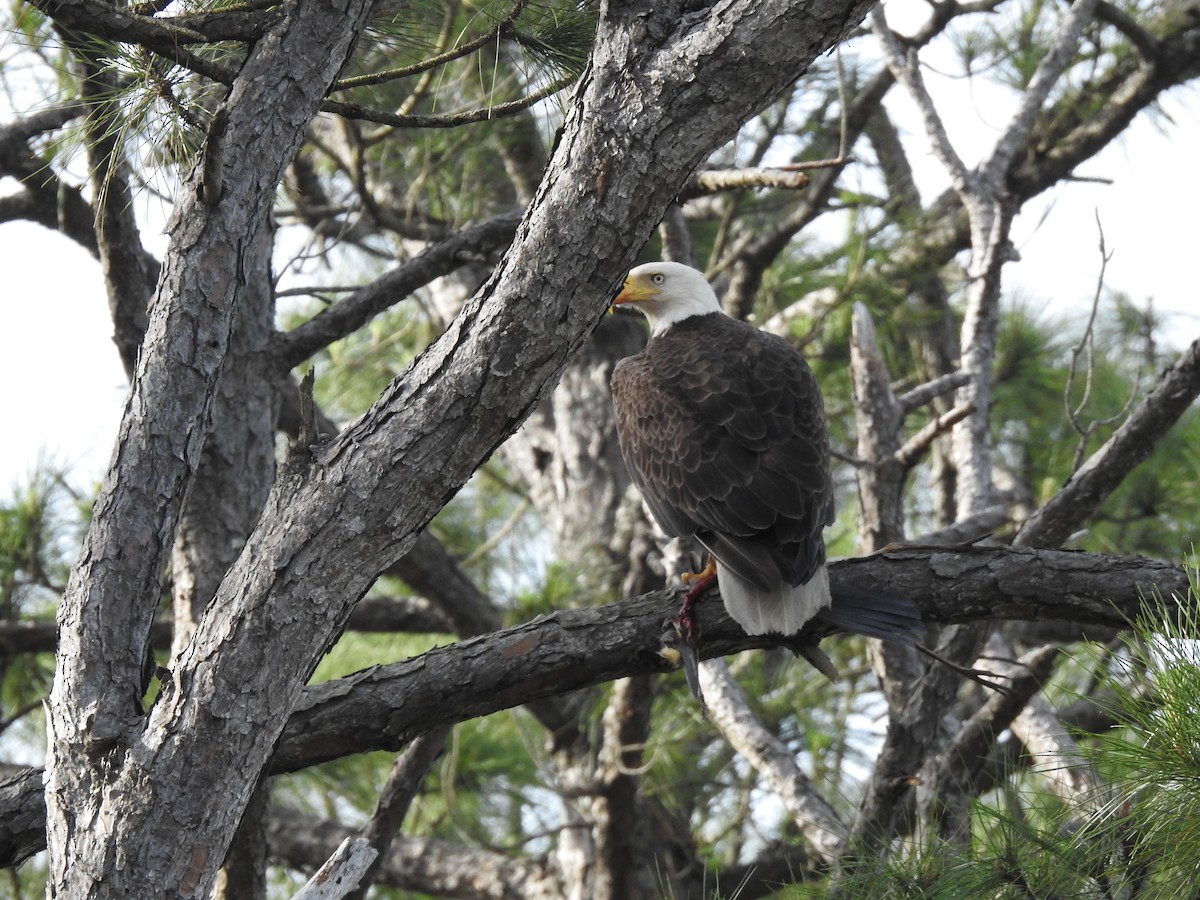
(712, 181)
(450, 120)
(384, 707)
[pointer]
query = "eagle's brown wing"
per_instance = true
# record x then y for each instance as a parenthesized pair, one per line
(723, 431)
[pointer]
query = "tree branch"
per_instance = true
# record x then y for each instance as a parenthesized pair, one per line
(1128, 447)
(384, 707)
(344, 869)
(424, 865)
(824, 831)
(931, 390)
(351, 313)
(403, 785)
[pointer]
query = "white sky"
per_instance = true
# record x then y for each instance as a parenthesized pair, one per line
(64, 387)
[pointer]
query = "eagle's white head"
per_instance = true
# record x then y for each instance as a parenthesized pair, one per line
(666, 293)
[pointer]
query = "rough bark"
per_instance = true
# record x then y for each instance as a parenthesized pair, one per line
(99, 843)
(237, 464)
(600, 178)
(243, 875)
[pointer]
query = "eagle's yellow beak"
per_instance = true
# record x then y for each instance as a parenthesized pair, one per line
(637, 289)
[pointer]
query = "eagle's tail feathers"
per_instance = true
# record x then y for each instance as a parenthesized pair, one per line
(784, 610)
(890, 617)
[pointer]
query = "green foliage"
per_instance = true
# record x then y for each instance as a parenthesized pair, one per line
(1153, 758)
(39, 528)
(1035, 438)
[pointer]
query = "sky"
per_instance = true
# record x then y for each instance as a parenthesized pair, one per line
(64, 387)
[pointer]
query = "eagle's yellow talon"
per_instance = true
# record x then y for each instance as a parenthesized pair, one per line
(673, 657)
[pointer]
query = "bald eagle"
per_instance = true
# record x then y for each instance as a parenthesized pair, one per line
(723, 430)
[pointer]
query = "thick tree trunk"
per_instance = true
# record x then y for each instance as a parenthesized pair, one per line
(114, 829)
(237, 465)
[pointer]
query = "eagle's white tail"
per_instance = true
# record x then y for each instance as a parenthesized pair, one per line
(785, 611)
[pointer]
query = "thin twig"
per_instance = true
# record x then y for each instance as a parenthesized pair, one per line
(1086, 348)
(482, 114)
(434, 61)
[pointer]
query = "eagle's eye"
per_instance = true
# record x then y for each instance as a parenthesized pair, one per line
(658, 278)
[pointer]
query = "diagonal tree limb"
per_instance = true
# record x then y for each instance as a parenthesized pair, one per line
(403, 785)
(351, 313)
(1128, 447)
(115, 23)
(346, 868)
(430, 570)
(823, 830)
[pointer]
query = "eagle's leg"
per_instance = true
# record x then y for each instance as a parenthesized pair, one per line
(698, 582)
